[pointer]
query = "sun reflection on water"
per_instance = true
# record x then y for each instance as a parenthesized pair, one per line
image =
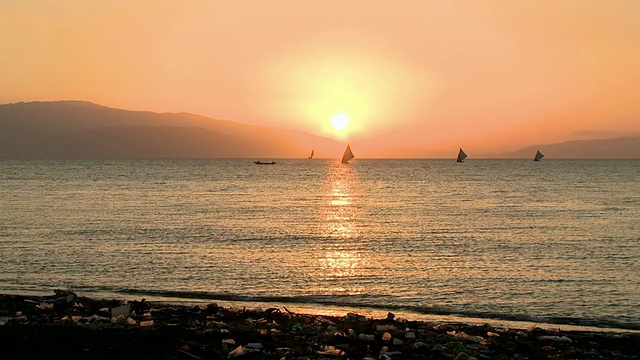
(340, 212)
(342, 257)
(341, 263)
(340, 196)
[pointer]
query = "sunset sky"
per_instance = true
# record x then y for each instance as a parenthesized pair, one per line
(486, 75)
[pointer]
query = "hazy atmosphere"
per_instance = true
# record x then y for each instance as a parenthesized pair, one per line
(417, 79)
(297, 179)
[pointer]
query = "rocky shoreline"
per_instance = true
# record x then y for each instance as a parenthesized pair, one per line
(65, 326)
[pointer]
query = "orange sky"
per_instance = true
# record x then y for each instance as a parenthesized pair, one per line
(414, 77)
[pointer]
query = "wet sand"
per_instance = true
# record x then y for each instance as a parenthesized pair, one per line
(65, 326)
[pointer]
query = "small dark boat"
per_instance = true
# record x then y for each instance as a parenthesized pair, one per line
(538, 157)
(264, 163)
(461, 156)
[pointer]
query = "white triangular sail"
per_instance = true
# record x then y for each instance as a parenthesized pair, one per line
(461, 156)
(539, 156)
(348, 155)
(311, 156)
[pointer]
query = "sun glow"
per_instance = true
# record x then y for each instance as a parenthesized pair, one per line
(340, 122)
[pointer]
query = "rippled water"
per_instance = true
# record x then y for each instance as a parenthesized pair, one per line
(508, 239)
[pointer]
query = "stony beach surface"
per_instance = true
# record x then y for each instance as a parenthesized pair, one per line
(65, 326)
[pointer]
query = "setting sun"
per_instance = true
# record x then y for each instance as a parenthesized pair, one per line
(340, 122)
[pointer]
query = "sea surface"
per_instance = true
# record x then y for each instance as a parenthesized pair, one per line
(556, 241)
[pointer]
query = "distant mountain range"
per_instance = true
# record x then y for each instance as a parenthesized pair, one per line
(616, 148)
(79, 129)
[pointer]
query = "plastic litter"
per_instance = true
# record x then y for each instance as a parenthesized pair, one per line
(124, 311)
(385, 327)
(563, 339)
(365, 337)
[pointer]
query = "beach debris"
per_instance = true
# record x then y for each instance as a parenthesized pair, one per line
(365, 337)
(226, 343)
(277, 335)
(418, 345)
(464, 336)
(562, 339)
(44, 306)
(121, 311)
(240, 350)
(62, 298)
(330, 351)
(385, 327)
(386, 336)
(384, 352)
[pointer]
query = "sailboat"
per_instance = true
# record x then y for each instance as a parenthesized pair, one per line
(311, 156)
(348, 155)
(538, 157)
(461, 156)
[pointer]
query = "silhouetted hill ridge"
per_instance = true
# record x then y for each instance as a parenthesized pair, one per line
(612, 148)
(81, 129)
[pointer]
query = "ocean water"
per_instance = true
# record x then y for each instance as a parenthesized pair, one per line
(556, 241)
